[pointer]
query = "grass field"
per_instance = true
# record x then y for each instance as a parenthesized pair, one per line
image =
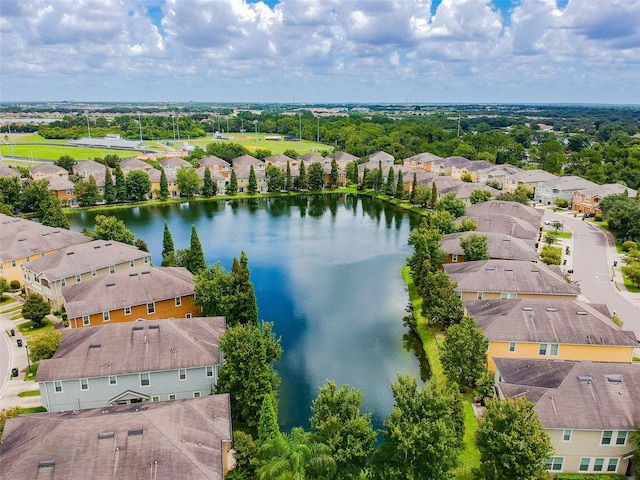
(248, 141)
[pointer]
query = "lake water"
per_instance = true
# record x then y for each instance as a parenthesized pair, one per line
(326, 271)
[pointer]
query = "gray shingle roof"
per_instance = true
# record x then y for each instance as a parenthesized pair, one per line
(423, 157)
(84, 258)
(568, 183)
(134, 347)
(212, 160)
(57, 184)
(580, 395)
(498, 223)
(8, 172)
(513, 209)
(175, 439)
(137, 286)
(532, 176)
(48, 168)
(552, 321)
(463, 190)
(21, 238)
(90, 167)
(501, 246)
(384, 157)
(311, 157)
(509, 276)
(245, 160)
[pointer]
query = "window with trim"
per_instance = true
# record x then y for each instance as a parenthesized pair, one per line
(172, 396)
(105, 316)
(554, 464)
(208, 371)
(112, 269)
(127, 310)
(63, 282)
(607, 435)
(512, 346)
(454, 257)
(145, 381)
(151, 308)
(584, 464)
(178, 301)
(480, 295)
(78, 278)
(57, 386)
(36, 278)
(598, 464)
(85, 320)
(155, 398)
(132, 263)
(113, 380)
(612, 465)
(146, 259)
(13, 263)
(182, 374)
(188, 315)
(548, 349)
(84, 384)
(621, 438)
(94, 273)
(196, 394)
(566, 435)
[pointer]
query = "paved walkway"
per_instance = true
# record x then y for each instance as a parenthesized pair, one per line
(17, 358)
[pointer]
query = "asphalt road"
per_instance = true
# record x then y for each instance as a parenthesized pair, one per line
(6, 355)
(592, 259)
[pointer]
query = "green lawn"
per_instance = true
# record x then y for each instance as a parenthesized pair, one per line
(12, 309)
(248, 140)
(29, 393)
(30, 373)
(29, 327)
(6, 300)
(54, 152)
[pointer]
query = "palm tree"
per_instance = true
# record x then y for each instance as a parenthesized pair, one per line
(295, 456)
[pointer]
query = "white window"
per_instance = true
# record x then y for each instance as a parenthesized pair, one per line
(105, 316)
(480, 295)
(36, 278)
(113, 380)
(548, 349)
(188, 315)
(63, 282)
(584, 464)
(146, 259)
(612, 466)
(78, 278)
(112, 269)
(151, 308)
(566, 435)
(208, 371)
(196, 394)
(512, 346)
(182, 374)
(598, 464)
(127, 310)
(621, 438)
(172, 396)
(155, 398)
(554, 464)
(454, 257)
(85, 320)
(84, 384)
(145, 381)
(132, 263)
(57, 386)
(178, 301)
(94, 273)
(606, 437)
(13, 263)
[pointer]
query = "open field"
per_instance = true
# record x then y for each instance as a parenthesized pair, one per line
(248, 140)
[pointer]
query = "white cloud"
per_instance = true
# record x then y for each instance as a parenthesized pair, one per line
(321, 50)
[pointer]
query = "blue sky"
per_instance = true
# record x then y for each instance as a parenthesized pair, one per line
(330, 51)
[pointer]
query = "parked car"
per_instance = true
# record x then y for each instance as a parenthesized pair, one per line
(589, 215)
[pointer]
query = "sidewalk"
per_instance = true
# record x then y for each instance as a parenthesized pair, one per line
(11, 386)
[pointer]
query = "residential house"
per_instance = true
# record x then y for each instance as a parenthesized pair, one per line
(444, 166)
(529, 214)
(464, 190)
(384, 157)
(561, 187)
(547, 328)
(528, 178)
(8, 172)
(343, 159)
(152, 293)
(23, 240)
(130, 164)
(214, 163)
(63, 190)
(458, 170)
(310, 158)
(47, 171)
(589, 409)
(171, 165)
(247, 161)
(495, 174)
(507, 224)
(281, 161)
(217, 178)
(588, 200)
(88, 168)
(181, 439)
(508, 279)
(137, 362)
(421, 161)
(47, 275)
(501, 246)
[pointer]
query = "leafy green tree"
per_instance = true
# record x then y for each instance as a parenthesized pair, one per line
(252, 186)
(421, 436)
(213, 291)
(414, 187)
(421, 196)
(188, 181)
(11, 191)
(168, 249)
(433, 201)
(451, 204)
(303, 178)
(366, 179)
(138, 185)
(442, 221)
(110, 228)
(551, 255)
(245, 457)
(295, 456)
(244, 307)
(339, 424)
(333, 176)
(379, 178)
(275, 178)
(427, 255)
(52, 214)
(479, 196)
(8, 413)
(464, 353)
(43, 345)
(35, 196)
(289, 185)
(67, 162)
(316, 176)
(512, 442)
(164, 185)
(268, 426)
(352, 172)
(87, 192)
(121, 185)
(400, 191)
(140, 244)
(195, 257)
(246, 374)
(521, 195)
(391, 183)
(232, 188)
(209, 188)
(632, 272)
(109, 187)
(475, 247)
(441, 304)
(35, 308)
(4, 287)
(550, 238)
(623, 217)
(290, 153)
(468, 225)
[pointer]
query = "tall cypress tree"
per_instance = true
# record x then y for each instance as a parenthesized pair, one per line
(434, 195)
(164, 185)
(268, 425)
(334, 174)
(244, 307)
(391, 183)
(252, 186)
(289, 181)
(414, 187)
(400, 186)
(196, 262)
(303, 181)
(365, 172)
(379, 178)
(121, 185)
(208, 187)
(168, 249)
(109, 187)
(232, 188)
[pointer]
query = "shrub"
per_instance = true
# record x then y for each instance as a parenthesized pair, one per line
(551, 255)
(15, 285)
(561, 202)
(597, 218)
(626, 246)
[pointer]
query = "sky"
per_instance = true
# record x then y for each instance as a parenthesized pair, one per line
(321, 51)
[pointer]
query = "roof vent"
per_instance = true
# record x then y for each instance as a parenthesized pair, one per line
(135, 432)
(581, 313)
(105, 435)
(489, 269)
(95, 345)
(107, 244)
(111, 284)
(552, 310)
(133, 274)
(47, 463)
(154, 327)
(535, 270)
(146, 272)
(614, 379)
(585, 378)
(138, 328)
(21, 239)
(96, 246)
(527, 309)
(508, 269)
(69, 253)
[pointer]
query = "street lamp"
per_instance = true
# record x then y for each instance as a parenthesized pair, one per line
(26, 347)
(256, 122)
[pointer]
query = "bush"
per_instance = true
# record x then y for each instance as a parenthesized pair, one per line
(561, 202)
(15, 285)
(551, 255)
(626, 246)
(589, 476)
(597, 218)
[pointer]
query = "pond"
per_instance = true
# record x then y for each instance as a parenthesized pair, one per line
(326, 271)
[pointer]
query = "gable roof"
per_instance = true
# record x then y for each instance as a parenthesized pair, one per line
(83, 258)
(57, 184)
(22, 238)
(532, 176)
(175, 439)
(212, 160)
(279, 159)
(384, 157)
(576, 395)
(311, 157)
(342, 157)
(245, 160)
(501, 246)
(175, 162)
(137, 286)
(47, 168)
(568, 183)
(89, 166)
(132, 163)
(604, 191)
(8, 172)
(552, 321)
(423, 157)
(498, 223)
(514, 209)
(509, 276)
(134, 347)
(463, 190)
